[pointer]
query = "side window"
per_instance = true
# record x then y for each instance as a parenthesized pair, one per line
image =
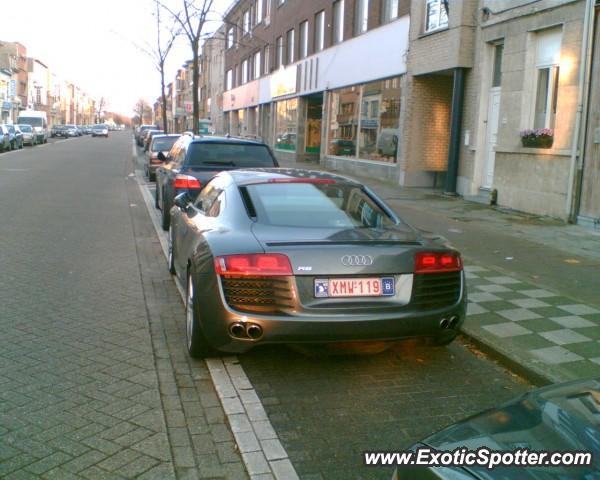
(217, 205)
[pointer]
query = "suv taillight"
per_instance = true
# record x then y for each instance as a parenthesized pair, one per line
(186, 181)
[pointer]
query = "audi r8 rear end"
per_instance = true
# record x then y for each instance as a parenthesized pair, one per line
(295, 256)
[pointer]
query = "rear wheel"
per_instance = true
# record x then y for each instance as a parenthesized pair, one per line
(197, 344)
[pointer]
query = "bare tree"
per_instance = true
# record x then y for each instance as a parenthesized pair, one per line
(141, 109)
(160, 52)
(100, 107)
(192, 19)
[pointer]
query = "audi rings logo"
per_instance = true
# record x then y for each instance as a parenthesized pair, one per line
(357, 260)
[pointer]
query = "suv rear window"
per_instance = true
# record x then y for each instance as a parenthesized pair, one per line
(313, 205)
(230, 155)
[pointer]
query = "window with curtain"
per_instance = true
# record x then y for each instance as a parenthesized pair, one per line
(338, 22)
(436, 15)
(304, 39)
(290, 46)
(320, 31)
(362, 16)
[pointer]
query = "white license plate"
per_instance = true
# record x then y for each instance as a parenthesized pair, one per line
(354, 287)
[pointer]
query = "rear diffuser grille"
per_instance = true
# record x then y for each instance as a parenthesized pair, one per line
(259, 295)
(436, 290)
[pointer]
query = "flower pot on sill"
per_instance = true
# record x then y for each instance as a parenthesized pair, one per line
(537, 142)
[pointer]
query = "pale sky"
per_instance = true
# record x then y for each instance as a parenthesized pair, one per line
(91, 43)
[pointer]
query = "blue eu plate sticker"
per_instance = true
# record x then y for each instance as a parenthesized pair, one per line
(321, 288)
(387, 286)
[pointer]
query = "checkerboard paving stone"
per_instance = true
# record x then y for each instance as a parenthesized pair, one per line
(573, 321)
(545, 329)
(517, 314)
(508, 329)
(556, 355)
(564, 336)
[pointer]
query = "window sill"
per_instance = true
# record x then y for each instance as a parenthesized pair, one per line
(556, 152)
(434, 31)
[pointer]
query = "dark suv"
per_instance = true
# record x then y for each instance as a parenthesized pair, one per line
(193, 161)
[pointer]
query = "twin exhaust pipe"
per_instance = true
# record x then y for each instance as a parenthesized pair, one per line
(246, 330)
(451, 322)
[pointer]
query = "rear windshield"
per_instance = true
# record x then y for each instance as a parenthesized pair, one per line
(316, 206)
(33, 121)
(163, 144)
(230, 154)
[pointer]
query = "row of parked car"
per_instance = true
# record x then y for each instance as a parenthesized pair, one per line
(13, 137)
(71, 130)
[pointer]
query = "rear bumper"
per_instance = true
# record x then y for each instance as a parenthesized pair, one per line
(389, 325)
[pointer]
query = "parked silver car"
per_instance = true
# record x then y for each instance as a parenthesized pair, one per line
(29, 137)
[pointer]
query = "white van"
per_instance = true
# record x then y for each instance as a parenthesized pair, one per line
(38, 121)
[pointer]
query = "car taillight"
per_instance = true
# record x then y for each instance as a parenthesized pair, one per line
(253, 264)
(186, 181)
(435, 262)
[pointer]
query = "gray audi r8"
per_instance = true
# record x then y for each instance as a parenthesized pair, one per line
(297, 256)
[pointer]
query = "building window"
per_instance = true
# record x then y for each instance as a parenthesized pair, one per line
(362, 16)
(279, 52)
(436, 15)
(304, 39)
(389, 10)
(230, 37)
(256, 70)
(259, 11)
(290, 46)
(338, 22)
(497, 70)
(548, 44)
(229, 80)
(319, 31)
(246, 22)
(286, 125)
(280, 2)
(267, 60)
(268, 9)
(365, 121)
(244, 71)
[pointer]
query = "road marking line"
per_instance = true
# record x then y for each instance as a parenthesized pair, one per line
(234, 388)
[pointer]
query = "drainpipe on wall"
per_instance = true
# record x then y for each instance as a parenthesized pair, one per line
(458, 93)
(578, 143)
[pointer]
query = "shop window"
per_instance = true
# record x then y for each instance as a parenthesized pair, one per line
(343, 121)
(364, 122)
(286, 124)
(389, 10)
(338, 22)
(436, 15)
(320, 31)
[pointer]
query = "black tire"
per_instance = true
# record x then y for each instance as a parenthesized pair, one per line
(171, 253)
(152, 177)
(156, 205)
(196, 342)
(166, 215)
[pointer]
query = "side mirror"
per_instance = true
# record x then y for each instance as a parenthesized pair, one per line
(161, 156)
(183, 201)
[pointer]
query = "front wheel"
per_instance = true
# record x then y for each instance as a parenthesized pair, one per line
(198, 345)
